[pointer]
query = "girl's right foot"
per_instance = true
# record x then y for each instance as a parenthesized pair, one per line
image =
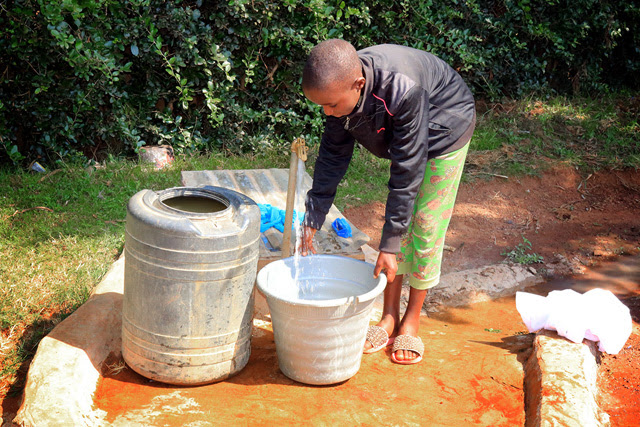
(391, 309)
(387, 323)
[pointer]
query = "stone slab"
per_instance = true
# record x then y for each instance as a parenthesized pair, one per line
(65, 370)
(480, 284)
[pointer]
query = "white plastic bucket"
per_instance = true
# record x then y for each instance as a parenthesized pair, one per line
(320, 320)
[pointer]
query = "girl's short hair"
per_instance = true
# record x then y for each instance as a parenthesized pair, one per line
(331, 61)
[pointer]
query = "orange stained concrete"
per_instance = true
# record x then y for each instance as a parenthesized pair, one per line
(471, 375)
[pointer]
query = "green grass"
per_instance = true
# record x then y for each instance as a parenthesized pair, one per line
(60, 231)
(524, 137)
(522, 254)
(365, 181)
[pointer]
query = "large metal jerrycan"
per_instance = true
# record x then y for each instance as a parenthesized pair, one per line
(191, 256)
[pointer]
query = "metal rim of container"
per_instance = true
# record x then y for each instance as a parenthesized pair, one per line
(174, 192)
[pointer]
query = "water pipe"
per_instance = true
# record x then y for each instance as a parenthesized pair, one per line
(298, 151)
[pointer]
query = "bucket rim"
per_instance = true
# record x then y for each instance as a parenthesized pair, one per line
(381, 283)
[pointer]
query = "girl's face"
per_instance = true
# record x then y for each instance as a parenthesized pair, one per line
(337, 99)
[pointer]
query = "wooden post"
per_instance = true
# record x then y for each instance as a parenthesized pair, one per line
(291, 195)
(298, 151)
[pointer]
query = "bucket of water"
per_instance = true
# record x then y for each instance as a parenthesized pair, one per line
(320, 309)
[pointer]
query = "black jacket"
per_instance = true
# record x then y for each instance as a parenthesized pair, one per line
(414, 107)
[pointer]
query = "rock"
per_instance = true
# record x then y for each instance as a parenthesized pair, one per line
(160, 155)
(602, 252)
(370, 254)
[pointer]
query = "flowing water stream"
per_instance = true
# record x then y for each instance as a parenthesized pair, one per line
(299, 208)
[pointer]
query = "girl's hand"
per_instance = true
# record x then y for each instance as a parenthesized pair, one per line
(386, 263)
(306, 245)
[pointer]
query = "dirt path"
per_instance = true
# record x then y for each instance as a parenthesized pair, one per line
(570, 220)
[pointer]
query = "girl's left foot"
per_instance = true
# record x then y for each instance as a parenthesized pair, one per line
(409, 326)
(406, 355)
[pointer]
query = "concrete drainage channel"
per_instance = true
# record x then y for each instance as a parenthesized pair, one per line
(559, 384)
(560, 375)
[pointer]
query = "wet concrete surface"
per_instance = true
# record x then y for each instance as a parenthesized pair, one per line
(471, 374)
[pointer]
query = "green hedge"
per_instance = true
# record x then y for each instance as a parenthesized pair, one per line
(84, 78)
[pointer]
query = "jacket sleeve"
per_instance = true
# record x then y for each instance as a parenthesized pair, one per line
(334, 155)
(408, 150)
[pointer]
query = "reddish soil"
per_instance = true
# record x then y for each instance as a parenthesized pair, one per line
(575, 222)
(619, 376)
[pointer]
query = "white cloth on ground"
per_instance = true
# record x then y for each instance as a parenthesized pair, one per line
(596, 315)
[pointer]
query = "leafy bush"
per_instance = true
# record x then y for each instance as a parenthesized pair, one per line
(83, 79)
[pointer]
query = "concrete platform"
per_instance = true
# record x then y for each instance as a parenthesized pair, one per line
(480, 368)
(469, 374)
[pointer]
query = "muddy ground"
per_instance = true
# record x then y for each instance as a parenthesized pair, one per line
(575, 222)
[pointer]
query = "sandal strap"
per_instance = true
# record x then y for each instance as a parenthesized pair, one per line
(407, 342)
(377, 336)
